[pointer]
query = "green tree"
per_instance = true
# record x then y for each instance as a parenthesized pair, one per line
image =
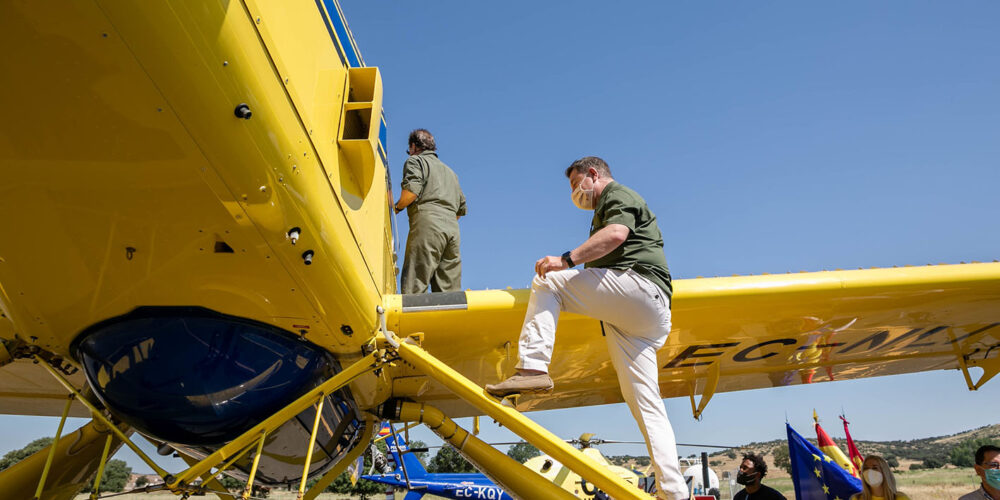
(522, 452)
(448, 459)
(731, 454)
(141, 481)
(892, 461)
(15, 456)
(421, 455)
(781, 459)
(963, 454)
(116, 476)
(231, 483)
(933, 463)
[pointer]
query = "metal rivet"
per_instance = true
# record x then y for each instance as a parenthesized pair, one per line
(225, 63)
(243, 111)
(258, 20)
(263, 189)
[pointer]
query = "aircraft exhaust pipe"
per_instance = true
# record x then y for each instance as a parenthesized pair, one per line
(518, 480)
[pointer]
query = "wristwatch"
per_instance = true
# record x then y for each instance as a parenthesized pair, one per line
(569, 261)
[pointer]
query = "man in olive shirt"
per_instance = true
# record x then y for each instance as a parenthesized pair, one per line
(626, 285)
(433, 201)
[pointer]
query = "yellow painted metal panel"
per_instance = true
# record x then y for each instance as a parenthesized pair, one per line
(135, 183)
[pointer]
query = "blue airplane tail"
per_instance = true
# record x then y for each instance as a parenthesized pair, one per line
(402, 456)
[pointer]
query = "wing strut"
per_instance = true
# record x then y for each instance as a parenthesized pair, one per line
(182, 482)
(52, 449)
(512, 419)
(402, 463)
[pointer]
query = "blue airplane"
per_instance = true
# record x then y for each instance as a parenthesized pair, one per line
(410, 474)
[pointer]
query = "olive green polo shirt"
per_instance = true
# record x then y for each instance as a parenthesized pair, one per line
(435, 185)
(642, 251)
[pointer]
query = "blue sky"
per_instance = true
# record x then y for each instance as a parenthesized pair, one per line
(766, 136)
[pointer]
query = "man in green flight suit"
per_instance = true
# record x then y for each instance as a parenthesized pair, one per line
(433, 201)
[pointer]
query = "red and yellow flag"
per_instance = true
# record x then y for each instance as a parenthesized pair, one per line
(856, 458)
(384, 430)
(831, 450)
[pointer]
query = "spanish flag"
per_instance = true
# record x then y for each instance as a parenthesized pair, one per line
(831, 450)
(384, 430)
(851, 448)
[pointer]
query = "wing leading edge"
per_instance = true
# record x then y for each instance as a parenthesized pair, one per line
(730, 334)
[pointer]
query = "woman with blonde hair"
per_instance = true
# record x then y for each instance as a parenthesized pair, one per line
(877, 482)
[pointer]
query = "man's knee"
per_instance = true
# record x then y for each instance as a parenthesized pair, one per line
(539, 282)
(552, 280)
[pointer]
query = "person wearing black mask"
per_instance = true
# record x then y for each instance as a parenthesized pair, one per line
(752, 470)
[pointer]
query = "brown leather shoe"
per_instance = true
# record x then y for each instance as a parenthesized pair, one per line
(521, 384)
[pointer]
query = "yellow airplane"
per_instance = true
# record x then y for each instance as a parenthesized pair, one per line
(196, 248)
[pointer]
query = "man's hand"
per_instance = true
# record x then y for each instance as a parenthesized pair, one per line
(405, 198)
(549, 263)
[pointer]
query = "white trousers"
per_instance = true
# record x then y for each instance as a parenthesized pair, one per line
(636, 316)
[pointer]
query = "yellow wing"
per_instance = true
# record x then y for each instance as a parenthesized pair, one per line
(730, 334)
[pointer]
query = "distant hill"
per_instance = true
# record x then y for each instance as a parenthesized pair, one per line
(908, 453)
(914, 449)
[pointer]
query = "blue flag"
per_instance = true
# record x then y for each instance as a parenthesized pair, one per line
(815, 475)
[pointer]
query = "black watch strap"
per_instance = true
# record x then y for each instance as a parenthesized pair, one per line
(569, 261)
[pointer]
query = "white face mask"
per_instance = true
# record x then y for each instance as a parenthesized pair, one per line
(873, 477)
(583, 198)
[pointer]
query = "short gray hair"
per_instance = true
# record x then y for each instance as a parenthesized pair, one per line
(586, 163)
(423, 140)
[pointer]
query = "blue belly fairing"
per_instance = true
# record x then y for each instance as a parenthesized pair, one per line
(197, 379)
